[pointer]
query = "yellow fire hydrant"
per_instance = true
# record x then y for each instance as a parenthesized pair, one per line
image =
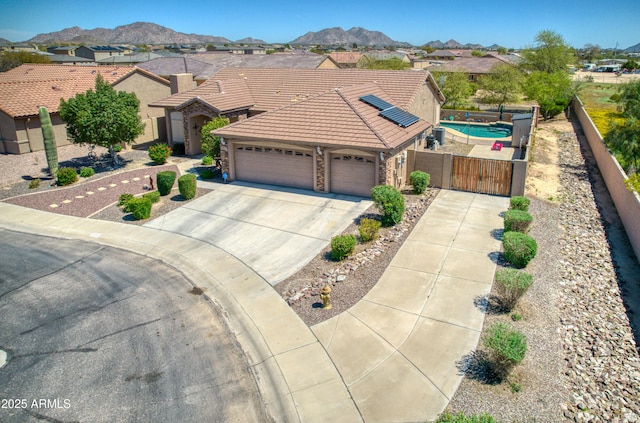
(325, 296)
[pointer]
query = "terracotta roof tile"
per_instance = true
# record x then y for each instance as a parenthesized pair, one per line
(334, 118)
(222, 95)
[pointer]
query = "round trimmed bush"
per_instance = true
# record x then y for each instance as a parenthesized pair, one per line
(368, 229)
(207, 161)
(507, 346)
(159, 153)
(518, 248)
(206, 174)
(164, 181)
(87, 172)
(519, 203)
(124, 199)
(154, 196)
(517, 221)
(420, 180)
(342, 246)
(140, 208)
(187, 186)
(511, 284)
(66, 176)
(389, 202)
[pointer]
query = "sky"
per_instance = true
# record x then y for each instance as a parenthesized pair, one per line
(512, 24)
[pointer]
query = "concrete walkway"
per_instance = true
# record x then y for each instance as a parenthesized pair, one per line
(391, 357)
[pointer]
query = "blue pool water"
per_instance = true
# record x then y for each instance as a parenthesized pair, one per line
(481, 131)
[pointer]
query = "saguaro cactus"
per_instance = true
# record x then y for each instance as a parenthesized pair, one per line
(50, 147)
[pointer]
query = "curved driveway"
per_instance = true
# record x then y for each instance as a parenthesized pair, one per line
(100, 334)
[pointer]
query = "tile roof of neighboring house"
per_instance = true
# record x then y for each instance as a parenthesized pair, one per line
(25, 88)
(261, 61)
(345, 57)
(165, 66)
(477, 65)
(333, 118)
(129, 58)
(222, 95)
(274, 88)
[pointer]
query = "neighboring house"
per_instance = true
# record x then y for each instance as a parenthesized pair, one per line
(387, 55)
(323, 130)
(30, 48)
(128, 59)
(347, 59)
(475, 67)
(167, 66)
(25, 88)
(62, 50)
(97, 53)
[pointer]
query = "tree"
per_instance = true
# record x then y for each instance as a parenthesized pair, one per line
(630, 65)
(591, 52)
(455, 86)
(502, 85)
(625, 138)
(550, 53)
(13, 59)
(211, 144)
(502, 50)
(630, 99)
(103, 117)
(394, 63)
(552, 91)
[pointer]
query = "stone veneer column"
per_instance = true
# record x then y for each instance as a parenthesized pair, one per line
(320, 167)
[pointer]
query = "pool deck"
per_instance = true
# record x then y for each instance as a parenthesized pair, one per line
(485, 152)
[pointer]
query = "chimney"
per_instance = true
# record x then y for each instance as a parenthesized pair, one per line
(181, 82)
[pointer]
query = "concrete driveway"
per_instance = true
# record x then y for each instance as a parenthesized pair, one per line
(273, 230)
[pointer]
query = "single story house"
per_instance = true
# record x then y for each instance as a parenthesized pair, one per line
(26, 87)
(475, 67)
(341, 130)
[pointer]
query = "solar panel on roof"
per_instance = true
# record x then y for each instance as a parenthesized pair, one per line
(399, 116)
(376, 102)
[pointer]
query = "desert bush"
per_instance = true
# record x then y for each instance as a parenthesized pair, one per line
(517, 221)
(177, 149)
(506, 346)
(140, 208)
(342, 246)
(206, 174)
(389, 202)
(518, 248)
(207, 161)
(35, 183)
(447, 417)
(511, 284)
(159, 153)
(165, 180)
(519, 203)
(187, 186)
(368, 229)
(124, 198)
(420, 180)
(87, 172)
(66, 176)
(154, 196)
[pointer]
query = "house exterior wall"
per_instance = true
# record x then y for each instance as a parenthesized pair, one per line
(327, 64)
(24, 135)
(426, 104)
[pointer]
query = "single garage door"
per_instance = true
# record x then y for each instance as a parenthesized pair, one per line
(277, 166)
(354, 175)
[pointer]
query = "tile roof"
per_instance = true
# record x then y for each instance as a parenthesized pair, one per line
(260, 61)
(274, 88)
(165, 66)
(28, 86)
(344, 57)
(476, 65)
(334, 118)
(222, 95)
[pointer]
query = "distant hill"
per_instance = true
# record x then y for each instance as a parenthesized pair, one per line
(338, 36)
(633, 49)
(4, 41)
(250, 41)
(135, 33)
(453, 44)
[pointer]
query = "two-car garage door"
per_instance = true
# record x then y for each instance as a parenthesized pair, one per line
(277, 166)
(352, 174)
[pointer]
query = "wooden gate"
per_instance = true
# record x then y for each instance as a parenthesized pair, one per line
(485, 176)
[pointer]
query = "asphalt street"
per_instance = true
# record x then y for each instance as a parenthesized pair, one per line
(94, 333)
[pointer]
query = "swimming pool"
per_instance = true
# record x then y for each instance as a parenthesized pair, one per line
(481, 131)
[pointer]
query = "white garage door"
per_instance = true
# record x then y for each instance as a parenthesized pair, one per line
(352, 174)
(277, 166)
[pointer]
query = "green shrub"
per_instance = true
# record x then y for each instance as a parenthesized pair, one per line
(35, 183)
(206, 174)
(207, 161)
(420, 180)
(511, 284)
(517, 221)
(368, 229)
(140, 208)
(518, 248)
(389, 202)
(87, 172)
(124, 198)
(159, 153)
(187, 186)
(519, 203)
(177, 149)
(154, 196)
(342, 246)
(66, 176)
(633, 183)
(462, 418)
(117, 148)
(506, 345)
(165, 180)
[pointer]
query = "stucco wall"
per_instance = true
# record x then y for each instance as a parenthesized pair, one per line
(627, 203)
(426, 105)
